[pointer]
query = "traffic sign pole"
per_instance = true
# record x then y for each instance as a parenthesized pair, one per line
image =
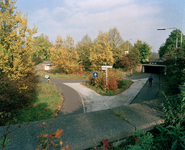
(105, 68)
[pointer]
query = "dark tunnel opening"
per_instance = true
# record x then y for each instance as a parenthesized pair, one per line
(154, 69)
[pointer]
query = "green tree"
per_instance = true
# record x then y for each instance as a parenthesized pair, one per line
(101, 53)
(41, 47)
(144, 50)
(170, 43)
(115, 40)
(83, 49)
(17, 82)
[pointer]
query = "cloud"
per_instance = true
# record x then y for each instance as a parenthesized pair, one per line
(77, 18)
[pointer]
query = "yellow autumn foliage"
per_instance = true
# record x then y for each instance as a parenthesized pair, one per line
(17, 79)
(15, 42)
(101, 54)
(64, 55)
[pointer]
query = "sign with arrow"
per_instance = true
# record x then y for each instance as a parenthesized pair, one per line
(95, 74)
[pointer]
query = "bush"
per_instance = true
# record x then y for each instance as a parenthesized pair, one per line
(143, 141)
(16, 94)
(114, 79)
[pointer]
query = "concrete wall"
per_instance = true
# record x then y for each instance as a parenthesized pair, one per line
(83, 131)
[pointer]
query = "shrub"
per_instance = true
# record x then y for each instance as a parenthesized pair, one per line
(16, 94)
(143, 141)
(114, 79)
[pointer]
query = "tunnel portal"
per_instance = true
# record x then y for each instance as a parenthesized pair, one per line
(153, 68)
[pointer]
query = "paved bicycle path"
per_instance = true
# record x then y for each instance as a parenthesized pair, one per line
(72, 100)
(79, 99)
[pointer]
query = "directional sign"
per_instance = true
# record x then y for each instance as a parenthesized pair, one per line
(95, 74)
(104, 67)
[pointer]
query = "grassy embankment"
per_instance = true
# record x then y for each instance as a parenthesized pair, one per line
(47, 101)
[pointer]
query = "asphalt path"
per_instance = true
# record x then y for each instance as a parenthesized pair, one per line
(72, 100)
(147, 93)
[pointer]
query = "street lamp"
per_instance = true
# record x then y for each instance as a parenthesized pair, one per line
(181, 32)
(176, 39)
(128, 44)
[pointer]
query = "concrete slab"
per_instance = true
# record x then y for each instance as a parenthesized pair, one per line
(93, 101)
(80, 131)
(143, 115)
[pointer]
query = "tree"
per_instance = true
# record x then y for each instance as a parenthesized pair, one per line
(41, 47)
(83, 49)
(130, 61)
(144, 50)
(64, 55)
(115, 40)
(170, 42)
(16, 68)
(153, 56)
(100, 53)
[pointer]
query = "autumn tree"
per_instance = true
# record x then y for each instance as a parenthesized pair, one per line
(83, 49)
(115, 40)
(100, 53)
(17, 82)
(144, 50)
(64, 55)
(41, 47)
(129, 61)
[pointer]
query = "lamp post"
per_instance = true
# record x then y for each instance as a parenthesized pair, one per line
(176, 39)
(181, 31)
(128, 44)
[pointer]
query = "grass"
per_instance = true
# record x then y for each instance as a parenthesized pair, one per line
(125, 85)
(48, 101)
(62, 76)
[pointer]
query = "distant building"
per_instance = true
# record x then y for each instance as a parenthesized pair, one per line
(46, 65)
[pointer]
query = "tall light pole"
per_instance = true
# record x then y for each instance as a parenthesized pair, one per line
(128, 44)
(176, 39)
(181, 31)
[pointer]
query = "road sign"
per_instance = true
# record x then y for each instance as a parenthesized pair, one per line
(105, 68)
(46, 76)
(95, 74)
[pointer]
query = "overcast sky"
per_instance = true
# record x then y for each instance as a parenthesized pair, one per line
(134, 19)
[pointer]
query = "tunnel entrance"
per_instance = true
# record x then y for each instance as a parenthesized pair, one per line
(147, 68)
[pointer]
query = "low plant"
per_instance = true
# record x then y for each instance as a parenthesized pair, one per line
(143, 141)
(114, 81)
(105, 145)
(171, 137)
(47, 138)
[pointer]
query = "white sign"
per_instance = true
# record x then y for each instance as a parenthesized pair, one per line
(46, 76)
(126, 52)
(104, 67)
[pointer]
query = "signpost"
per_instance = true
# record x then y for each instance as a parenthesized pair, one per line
(47, 78)
(105, 68)
(95, 74)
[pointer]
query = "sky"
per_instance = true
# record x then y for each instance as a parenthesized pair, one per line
(134, 19)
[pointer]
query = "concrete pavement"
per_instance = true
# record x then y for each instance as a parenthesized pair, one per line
(94, 102)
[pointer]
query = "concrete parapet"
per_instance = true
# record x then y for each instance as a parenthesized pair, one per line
(87, 130)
